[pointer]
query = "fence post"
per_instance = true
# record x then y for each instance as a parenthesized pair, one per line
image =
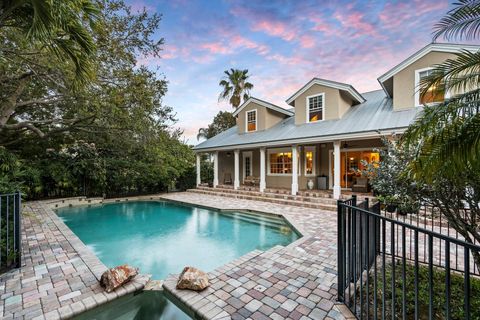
(18, 229)
(340, 253)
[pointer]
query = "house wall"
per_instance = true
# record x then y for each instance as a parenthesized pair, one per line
(322, 163)
(404, 81)
(266, 118)
(336, 104)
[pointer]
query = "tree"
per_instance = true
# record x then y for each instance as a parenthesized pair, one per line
(222, 121)
(235, 86)
(446, 136)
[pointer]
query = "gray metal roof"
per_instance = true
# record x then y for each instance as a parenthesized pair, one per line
(374, 115)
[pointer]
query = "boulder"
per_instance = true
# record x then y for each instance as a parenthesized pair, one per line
(193, 279)
(116, 277)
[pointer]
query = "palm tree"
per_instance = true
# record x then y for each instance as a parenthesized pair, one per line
(235, 86)
(446, 136)
(63, 27)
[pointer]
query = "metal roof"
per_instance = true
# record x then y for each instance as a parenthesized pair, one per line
(373, 116)
(264, 104)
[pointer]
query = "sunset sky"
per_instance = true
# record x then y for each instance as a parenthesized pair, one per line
(283, 44)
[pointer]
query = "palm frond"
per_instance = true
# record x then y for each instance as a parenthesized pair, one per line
(461, 22)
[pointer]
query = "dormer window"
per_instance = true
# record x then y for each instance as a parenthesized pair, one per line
(251, 120)
(315, 107)
(433, 95)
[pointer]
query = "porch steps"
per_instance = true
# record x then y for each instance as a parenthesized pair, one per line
(323, 203)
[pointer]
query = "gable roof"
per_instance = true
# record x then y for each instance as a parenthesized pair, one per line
(439, 47)
(372, 118)
(263, 104)
(328, 83)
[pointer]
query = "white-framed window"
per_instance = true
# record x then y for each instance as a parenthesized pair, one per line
(433, 95)
(309, 163)
(316, 108)
(251, 120)
(280, 162)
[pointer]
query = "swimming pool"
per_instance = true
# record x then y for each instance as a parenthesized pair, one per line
(161, 237)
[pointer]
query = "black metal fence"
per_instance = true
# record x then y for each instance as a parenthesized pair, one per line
(389, 268)
(10, 231)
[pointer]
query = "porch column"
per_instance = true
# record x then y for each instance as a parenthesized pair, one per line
(294, 170)
(263, 181)
(236, 181)
(215, 169)
(336, 170)
(199, 179)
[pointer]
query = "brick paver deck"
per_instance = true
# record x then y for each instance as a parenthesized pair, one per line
(59, 274)
(294, 282)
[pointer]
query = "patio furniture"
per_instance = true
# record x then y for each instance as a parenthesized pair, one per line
(251, 181)
(361, 185)
(227, 178)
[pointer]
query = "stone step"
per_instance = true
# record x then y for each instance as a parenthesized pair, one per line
(314, 199)
(304, 204)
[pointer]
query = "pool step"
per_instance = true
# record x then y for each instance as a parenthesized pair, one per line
(299, 201)
(272, 222)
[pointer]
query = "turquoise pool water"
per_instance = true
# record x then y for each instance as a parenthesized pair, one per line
(161, 238)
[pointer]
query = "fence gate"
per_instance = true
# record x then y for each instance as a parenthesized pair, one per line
(390, 268)
(10, 231)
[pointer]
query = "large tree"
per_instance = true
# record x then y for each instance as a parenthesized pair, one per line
(446, 136)
(235, 86)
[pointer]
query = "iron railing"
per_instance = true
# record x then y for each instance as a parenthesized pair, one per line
(389, 268)
(10, 231)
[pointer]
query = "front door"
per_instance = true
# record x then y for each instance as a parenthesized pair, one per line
(247, 164)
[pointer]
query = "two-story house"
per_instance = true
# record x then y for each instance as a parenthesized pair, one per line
(328, 131)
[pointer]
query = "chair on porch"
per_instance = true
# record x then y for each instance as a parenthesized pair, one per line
(251, 181)
(361, 185)
(227, 178)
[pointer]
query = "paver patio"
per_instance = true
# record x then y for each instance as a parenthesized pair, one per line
(59, 274)
(295, 282)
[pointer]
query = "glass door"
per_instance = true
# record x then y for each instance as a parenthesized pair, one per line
(351, 165)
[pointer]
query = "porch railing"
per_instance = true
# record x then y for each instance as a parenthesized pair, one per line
(10, 231)
(385, 270)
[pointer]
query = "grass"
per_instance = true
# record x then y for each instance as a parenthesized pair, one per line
(457, 296)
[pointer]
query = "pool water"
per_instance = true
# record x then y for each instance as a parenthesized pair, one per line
(161, 238)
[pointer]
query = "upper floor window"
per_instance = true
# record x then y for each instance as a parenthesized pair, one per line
(315, 107)
(433, 95)
(251, 120)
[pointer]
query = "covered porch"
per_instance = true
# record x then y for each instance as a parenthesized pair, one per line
(328, 167)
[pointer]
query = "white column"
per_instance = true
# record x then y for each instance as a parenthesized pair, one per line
(294, 170)
(236, 181)
(215, 169)
(336, 170)
(199, 179)
(263, 181)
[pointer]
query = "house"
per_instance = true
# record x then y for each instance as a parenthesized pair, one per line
(328, 131)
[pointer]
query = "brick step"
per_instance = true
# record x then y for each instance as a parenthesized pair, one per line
(304, 204)
(314, 199)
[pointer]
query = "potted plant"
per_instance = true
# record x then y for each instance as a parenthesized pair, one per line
(389, 203)
(408, 205)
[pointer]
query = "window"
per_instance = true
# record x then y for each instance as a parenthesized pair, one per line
(432, 95)
(251, 120)
(315, 106)
(309, 161)
(280, 162)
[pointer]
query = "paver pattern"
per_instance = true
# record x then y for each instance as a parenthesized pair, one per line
(59, 274)
(293, 282)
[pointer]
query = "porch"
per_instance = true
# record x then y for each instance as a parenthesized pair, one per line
(322, 169)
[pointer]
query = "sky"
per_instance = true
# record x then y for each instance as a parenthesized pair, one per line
(283, 44)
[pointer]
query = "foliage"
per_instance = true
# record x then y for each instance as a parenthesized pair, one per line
(387, 179)
(222, 121)
(62, 27)
(113, 135)
(439, 298)
(235, 86)
(447, 135)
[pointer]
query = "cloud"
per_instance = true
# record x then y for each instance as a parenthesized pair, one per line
(275, 28)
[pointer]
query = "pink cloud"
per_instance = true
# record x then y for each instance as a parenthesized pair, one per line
(307, 41)
(275, 28)
(356, 21)
(216, 48)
